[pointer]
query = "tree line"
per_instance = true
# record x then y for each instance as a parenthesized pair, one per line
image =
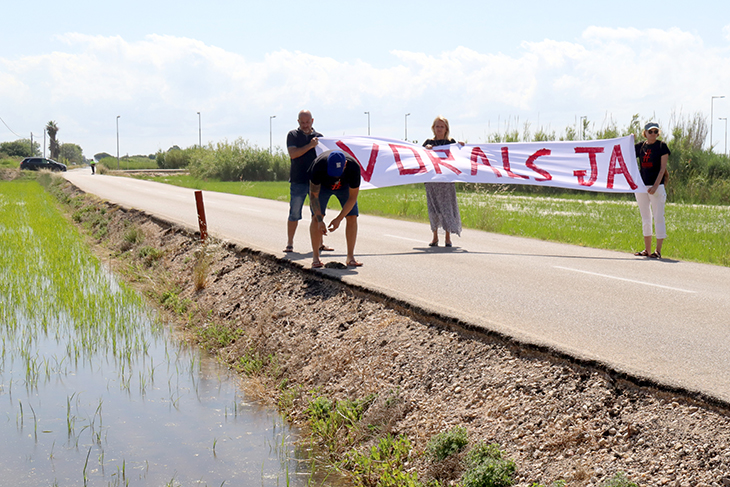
(66, 153)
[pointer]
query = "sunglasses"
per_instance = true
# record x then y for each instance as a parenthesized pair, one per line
(653, 131)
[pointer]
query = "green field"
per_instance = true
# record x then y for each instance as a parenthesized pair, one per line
(699, 233)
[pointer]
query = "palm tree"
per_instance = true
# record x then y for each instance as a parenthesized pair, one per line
(52, 130)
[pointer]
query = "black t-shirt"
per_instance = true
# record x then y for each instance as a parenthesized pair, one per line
(435, 142)
(650, 160)
(300, 165)
(350, 176)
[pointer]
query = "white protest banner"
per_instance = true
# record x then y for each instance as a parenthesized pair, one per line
(607, 165)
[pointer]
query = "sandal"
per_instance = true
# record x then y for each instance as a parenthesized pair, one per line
(448, 244)
(324, 248)
(289, 248)
(317, 265)
(354, 263)
(643, 253)
(656, 255)
(434, 244)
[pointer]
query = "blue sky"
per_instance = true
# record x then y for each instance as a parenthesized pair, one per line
(486, 66)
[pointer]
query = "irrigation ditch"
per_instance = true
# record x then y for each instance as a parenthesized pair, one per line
(308, 344)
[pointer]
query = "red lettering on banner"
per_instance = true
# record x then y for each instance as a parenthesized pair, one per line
(617, 156)
(505, 164)
(403, 171)
(367, 174)
(476, 154)
(591, 151)
(546, 176)
(438, 161)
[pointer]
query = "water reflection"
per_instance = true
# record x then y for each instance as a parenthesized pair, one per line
(168, 417)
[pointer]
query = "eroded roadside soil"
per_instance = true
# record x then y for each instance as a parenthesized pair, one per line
(556, 418)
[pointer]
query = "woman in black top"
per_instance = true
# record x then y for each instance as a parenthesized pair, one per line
(653, 155)
(443, 208)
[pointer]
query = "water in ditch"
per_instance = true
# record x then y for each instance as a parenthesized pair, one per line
(94, 390)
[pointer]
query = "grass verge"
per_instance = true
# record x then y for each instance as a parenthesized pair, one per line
(697, 233)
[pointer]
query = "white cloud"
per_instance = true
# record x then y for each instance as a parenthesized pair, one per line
(159, 83)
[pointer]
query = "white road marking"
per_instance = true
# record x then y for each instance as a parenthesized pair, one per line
(627, 280)
(402, 238)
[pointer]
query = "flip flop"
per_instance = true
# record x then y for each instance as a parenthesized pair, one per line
(289, 248)
(656, 255)
(643, 253)
(324, 248)
(317, 265)
(354, 263)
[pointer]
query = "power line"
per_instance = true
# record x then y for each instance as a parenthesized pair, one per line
(11, 130)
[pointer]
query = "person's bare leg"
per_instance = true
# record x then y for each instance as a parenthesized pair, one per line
(447, 238)
(291, 228)
(647, 244)
(435, 238)
(316, 237)
(659, 243)
(351, 237)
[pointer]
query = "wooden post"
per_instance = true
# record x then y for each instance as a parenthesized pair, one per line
(201, 216)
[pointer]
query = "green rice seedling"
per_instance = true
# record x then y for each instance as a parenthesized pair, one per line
(21, 415)
(35, 423)
(86, 464)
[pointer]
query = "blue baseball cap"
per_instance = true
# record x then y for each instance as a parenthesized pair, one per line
(336, 164)
(651, 125)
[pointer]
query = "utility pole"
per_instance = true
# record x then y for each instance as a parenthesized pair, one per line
(118, 142)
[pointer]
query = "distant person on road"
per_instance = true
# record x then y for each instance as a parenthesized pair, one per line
(443, 208)
(338, 174)
(653, 155)
(92, 163)
(300, 144)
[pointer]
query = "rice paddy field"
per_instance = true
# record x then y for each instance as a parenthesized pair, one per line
(699, 233)
(95, 390)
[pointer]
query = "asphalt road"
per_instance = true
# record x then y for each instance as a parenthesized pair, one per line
(665, 320)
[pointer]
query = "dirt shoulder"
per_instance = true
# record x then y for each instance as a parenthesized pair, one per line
(556, 418)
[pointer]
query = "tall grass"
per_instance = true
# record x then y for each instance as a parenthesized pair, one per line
(238, 161)
(128, 162)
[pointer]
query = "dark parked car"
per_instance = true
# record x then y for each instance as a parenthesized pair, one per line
(35, 163)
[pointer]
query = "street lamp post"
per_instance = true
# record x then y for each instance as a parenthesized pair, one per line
(725, 118)
(712, 106)
(406, 137)
(200, 133)
(368, 114)
(118, 142)
(271, 139)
